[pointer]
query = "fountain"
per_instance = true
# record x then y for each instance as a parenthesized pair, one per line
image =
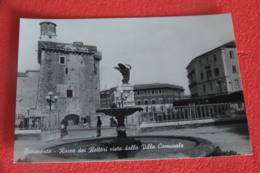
(122, 146)
(123, 106)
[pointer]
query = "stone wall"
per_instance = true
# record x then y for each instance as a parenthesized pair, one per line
(70, 71)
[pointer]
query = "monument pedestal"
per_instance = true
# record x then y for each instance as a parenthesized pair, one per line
(124, 96)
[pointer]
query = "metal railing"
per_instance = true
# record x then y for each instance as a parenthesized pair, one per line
(195, 112)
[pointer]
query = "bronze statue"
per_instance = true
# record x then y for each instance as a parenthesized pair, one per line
(125, 71)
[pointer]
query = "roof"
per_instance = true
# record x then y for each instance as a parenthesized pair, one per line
(75, 46)
(227, 45)
(48, 22)
(21, 74)
(30, 71)
(67, 48)
(147, 86)
(156, 86)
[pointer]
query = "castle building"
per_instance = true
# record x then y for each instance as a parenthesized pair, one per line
(216, 72)
(68, 71)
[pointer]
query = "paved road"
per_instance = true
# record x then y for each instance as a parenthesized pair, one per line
(227, 137)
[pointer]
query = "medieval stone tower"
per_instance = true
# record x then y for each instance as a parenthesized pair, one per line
(69, 71)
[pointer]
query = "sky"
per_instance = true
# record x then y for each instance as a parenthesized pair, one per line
(158, 48)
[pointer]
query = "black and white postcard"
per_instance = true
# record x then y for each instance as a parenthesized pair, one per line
(129, 89)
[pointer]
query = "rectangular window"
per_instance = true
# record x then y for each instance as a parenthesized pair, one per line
(201, 76)
(66, 71)
(95, 68)
(62, 60)
(204, 88)
(211, 87)
(216, 71)
(215, 57)
(161, 108)
(234, 69)
(231, 54)
(208, 74)
(207, 60)
(236, 83)
(69, 93)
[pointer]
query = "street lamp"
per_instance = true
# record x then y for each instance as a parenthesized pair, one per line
(51, 99)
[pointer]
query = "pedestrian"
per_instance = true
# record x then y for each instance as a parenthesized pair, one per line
(26, 122)
(113, 123)
(99, 123)
(33, 122)
(63, 127)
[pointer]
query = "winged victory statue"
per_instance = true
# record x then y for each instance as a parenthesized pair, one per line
(125, 71)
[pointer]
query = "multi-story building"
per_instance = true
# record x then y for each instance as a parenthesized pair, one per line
(152, 97)
(157, 97)
(68, 71)
(216, 72)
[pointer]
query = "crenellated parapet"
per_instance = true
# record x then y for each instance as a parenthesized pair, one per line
(77, 48)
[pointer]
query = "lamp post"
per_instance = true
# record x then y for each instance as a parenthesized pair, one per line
(50, 98)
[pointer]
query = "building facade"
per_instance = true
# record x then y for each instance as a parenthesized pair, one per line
(216, 72)
(151, 97)
(157, 97)
(68, 71)
(27, 89)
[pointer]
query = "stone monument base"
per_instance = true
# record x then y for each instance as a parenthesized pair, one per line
(124, 96)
